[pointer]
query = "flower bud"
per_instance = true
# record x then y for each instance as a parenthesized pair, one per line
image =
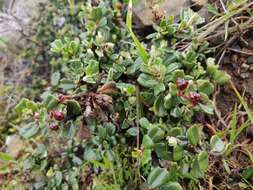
(59, 116)
(194, 98)
(182, 84)
(54, 127)
(61, 98)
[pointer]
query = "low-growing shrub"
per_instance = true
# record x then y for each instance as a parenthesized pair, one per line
(119, 114)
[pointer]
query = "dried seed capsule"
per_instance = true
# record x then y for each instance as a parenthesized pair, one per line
(182, 84)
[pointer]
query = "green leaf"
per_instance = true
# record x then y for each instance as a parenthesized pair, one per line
(103, 22)
(21, 105)
(157, 177)
(147, 80)
(161, 150)
(58, 178)
(70, 131)
(134, 66)
(102, 132)
(158, 107)
(76, 69)
(147, 141)
(29, 130)
(193, 135)
(26, 104)
(179, 73)
(50, 102)
(5, 157)
(173, 89)
(73, 108)
(55, 78)
(169, 101)
(200, 165)
(110, 128)
(217, 144)
(156, 133)
(142, 52)
(203, 161)
(172, 186)
(90, 154)
(160, 87)
(248, 173)
(205, 86)
(146, 157)
(221, 77)
(57, 46)
(176, 112)
(96, 13)
(175, 131)
(133, 131)
(145, 123)
(92, 68)
(211, 67)
(206, 108)
(172, 67)
(177, 152)
(67, 84)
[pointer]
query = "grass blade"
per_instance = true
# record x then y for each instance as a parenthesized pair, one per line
(233, 126)
(249, 112)
(142, 52)
(241, 128)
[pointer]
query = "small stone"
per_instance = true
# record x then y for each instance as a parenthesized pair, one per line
(249, 60)
(14, 145)
(146, 13)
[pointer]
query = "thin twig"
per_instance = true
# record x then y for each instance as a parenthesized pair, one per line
(225, 10)
(239, 51)
(138, 115)
(212, 26)
(138, 128)
(221, 53)
(216, 110)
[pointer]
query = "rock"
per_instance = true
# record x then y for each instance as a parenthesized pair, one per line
(199, 2)
(203, 12)
(15, 22)
(146, 12)
(10, 32)
(25, 10)
(14, 145)
(249, 60)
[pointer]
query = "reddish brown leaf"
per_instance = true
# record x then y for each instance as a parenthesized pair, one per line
(108, 88)
(83, 132)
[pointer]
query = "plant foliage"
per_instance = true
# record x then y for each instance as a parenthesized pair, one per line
(119, 113)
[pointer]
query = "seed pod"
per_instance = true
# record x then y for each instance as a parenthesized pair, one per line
(182, 84)
(194, 97)
(59, 116)
(54, 127)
